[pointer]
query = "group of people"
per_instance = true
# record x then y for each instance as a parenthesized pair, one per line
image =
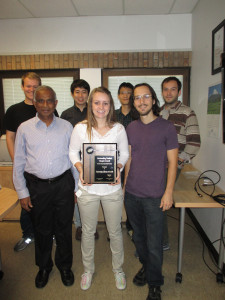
(48, 173)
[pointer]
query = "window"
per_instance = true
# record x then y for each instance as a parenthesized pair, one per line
(13, 93)
(112, 78)
(59, 80)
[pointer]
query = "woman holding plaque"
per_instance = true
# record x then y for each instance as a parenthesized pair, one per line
(97, 138)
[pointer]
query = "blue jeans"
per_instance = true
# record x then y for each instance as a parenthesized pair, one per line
(146, 219)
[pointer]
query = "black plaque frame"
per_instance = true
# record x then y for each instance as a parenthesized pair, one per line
(99, 163)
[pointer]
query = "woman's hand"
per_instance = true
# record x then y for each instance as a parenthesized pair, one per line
(118, 181)
(79, 167)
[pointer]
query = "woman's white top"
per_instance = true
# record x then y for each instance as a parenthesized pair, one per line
(116, 134)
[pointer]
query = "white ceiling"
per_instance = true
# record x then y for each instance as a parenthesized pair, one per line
(22, 9)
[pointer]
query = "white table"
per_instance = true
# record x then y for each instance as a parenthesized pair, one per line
(186, 197)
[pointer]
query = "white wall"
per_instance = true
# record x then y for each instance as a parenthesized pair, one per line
(92, 76)
(95, 34)
(207, 15)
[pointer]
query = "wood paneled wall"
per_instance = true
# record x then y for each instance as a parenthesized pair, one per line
(96, 60)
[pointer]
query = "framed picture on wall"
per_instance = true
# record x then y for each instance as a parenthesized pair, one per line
(218, 47)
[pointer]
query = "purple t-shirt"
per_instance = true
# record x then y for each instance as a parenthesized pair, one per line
(149, 145)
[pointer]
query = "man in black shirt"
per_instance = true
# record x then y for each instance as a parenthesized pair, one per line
(123, 114)
(15, 115)
(80, 90)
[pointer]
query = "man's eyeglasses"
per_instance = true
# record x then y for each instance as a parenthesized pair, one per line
(144, 97)
(125, 93)
(48, 102)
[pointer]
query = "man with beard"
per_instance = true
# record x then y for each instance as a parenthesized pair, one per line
(186, 123)
(153, 143)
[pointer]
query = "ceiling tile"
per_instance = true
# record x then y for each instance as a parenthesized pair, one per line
(184, 6)
(17, 9)
(99, 7)
(50, 8)
(12, 9)
(147, 7)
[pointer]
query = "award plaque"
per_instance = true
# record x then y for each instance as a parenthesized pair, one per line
(99, 162)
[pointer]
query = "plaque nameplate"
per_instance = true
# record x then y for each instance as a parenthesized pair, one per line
(99, 162)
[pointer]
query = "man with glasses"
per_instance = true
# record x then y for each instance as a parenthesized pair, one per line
(45, 185)
(124, 116)
(153, 143)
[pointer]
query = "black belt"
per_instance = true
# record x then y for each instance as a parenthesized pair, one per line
(49, 180)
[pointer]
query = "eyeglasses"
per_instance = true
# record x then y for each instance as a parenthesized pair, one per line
(42, 102)
(144, 97)
(125, 93)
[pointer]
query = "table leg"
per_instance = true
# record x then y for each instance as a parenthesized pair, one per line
(181, 242)
(1, 273)
(219, 275)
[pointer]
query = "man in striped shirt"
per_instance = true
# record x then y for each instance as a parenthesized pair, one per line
(183, 118)
(186, 124)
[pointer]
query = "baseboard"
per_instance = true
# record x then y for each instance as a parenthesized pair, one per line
(205, 238)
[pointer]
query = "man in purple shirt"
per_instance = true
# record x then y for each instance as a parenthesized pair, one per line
(153, 144)
(45, 185)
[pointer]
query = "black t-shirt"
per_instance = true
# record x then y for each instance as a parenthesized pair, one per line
(19, 113)
(74, 115)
